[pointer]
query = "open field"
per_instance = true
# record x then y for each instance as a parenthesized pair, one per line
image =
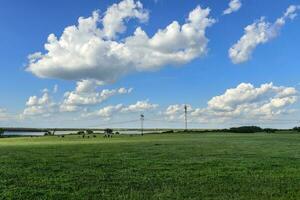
(168, 166)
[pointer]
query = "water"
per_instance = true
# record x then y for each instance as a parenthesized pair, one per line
(134, 132)
(24, 133)
(64, 132)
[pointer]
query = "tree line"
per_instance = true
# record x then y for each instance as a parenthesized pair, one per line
(1, 132)
(253, 129)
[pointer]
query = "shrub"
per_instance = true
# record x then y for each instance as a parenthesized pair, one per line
(296, 129)
(170, 131)
(47, 133)
(269, 130)
(89, 132)
(1, 132)
(108, 131)
(80, 132)
(246, 129)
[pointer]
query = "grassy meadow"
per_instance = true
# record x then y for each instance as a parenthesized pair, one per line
(166, 166)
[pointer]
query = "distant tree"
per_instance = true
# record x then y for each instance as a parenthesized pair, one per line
(246, 129)
(169, 131)
(269, 130)
(47, 133)
(80, 132)
(296, 129)
(108, 132)
(1, 132)
(89, 132)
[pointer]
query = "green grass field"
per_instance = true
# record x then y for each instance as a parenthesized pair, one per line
(169, 166)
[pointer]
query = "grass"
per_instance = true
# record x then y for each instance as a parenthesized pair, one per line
(169, 166)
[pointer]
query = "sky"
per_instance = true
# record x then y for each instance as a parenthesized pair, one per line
(104, 63)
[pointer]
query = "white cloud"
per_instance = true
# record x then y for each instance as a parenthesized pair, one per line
(176, 111)
(87, 51)
(240, 103)
(140, 106)
(55, 89)
(234, 5)
(86, 94)
(246, 101)
(45, 90)
(108, 111)
(39, 106)
(4, 116)
(258, 33)
(111, 110)
(113, 20)
(243, 102)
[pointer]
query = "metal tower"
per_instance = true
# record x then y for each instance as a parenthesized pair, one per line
(185, 117)
(142, 123)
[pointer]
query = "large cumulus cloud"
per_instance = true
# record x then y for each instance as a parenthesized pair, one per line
(94, 50)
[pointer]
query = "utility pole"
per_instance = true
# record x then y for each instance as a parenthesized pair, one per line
(185, 117)
(142, 123)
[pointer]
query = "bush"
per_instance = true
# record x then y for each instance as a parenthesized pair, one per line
(89, 132)
(108, 131)
(246, 129)
(47, 133)
(1, 132)
(269, 130)
(80, 132)
(296, 129)
(170, 131)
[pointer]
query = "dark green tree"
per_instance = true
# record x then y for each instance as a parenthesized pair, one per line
(89, 132)
(80, 132)
(269, 130)
(1, 132)
(246, 129)
(296, 129)
(108, 132)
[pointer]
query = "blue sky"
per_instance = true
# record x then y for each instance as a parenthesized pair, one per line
(159, 89)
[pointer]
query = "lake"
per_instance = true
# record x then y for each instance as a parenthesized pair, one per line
(24, 133)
